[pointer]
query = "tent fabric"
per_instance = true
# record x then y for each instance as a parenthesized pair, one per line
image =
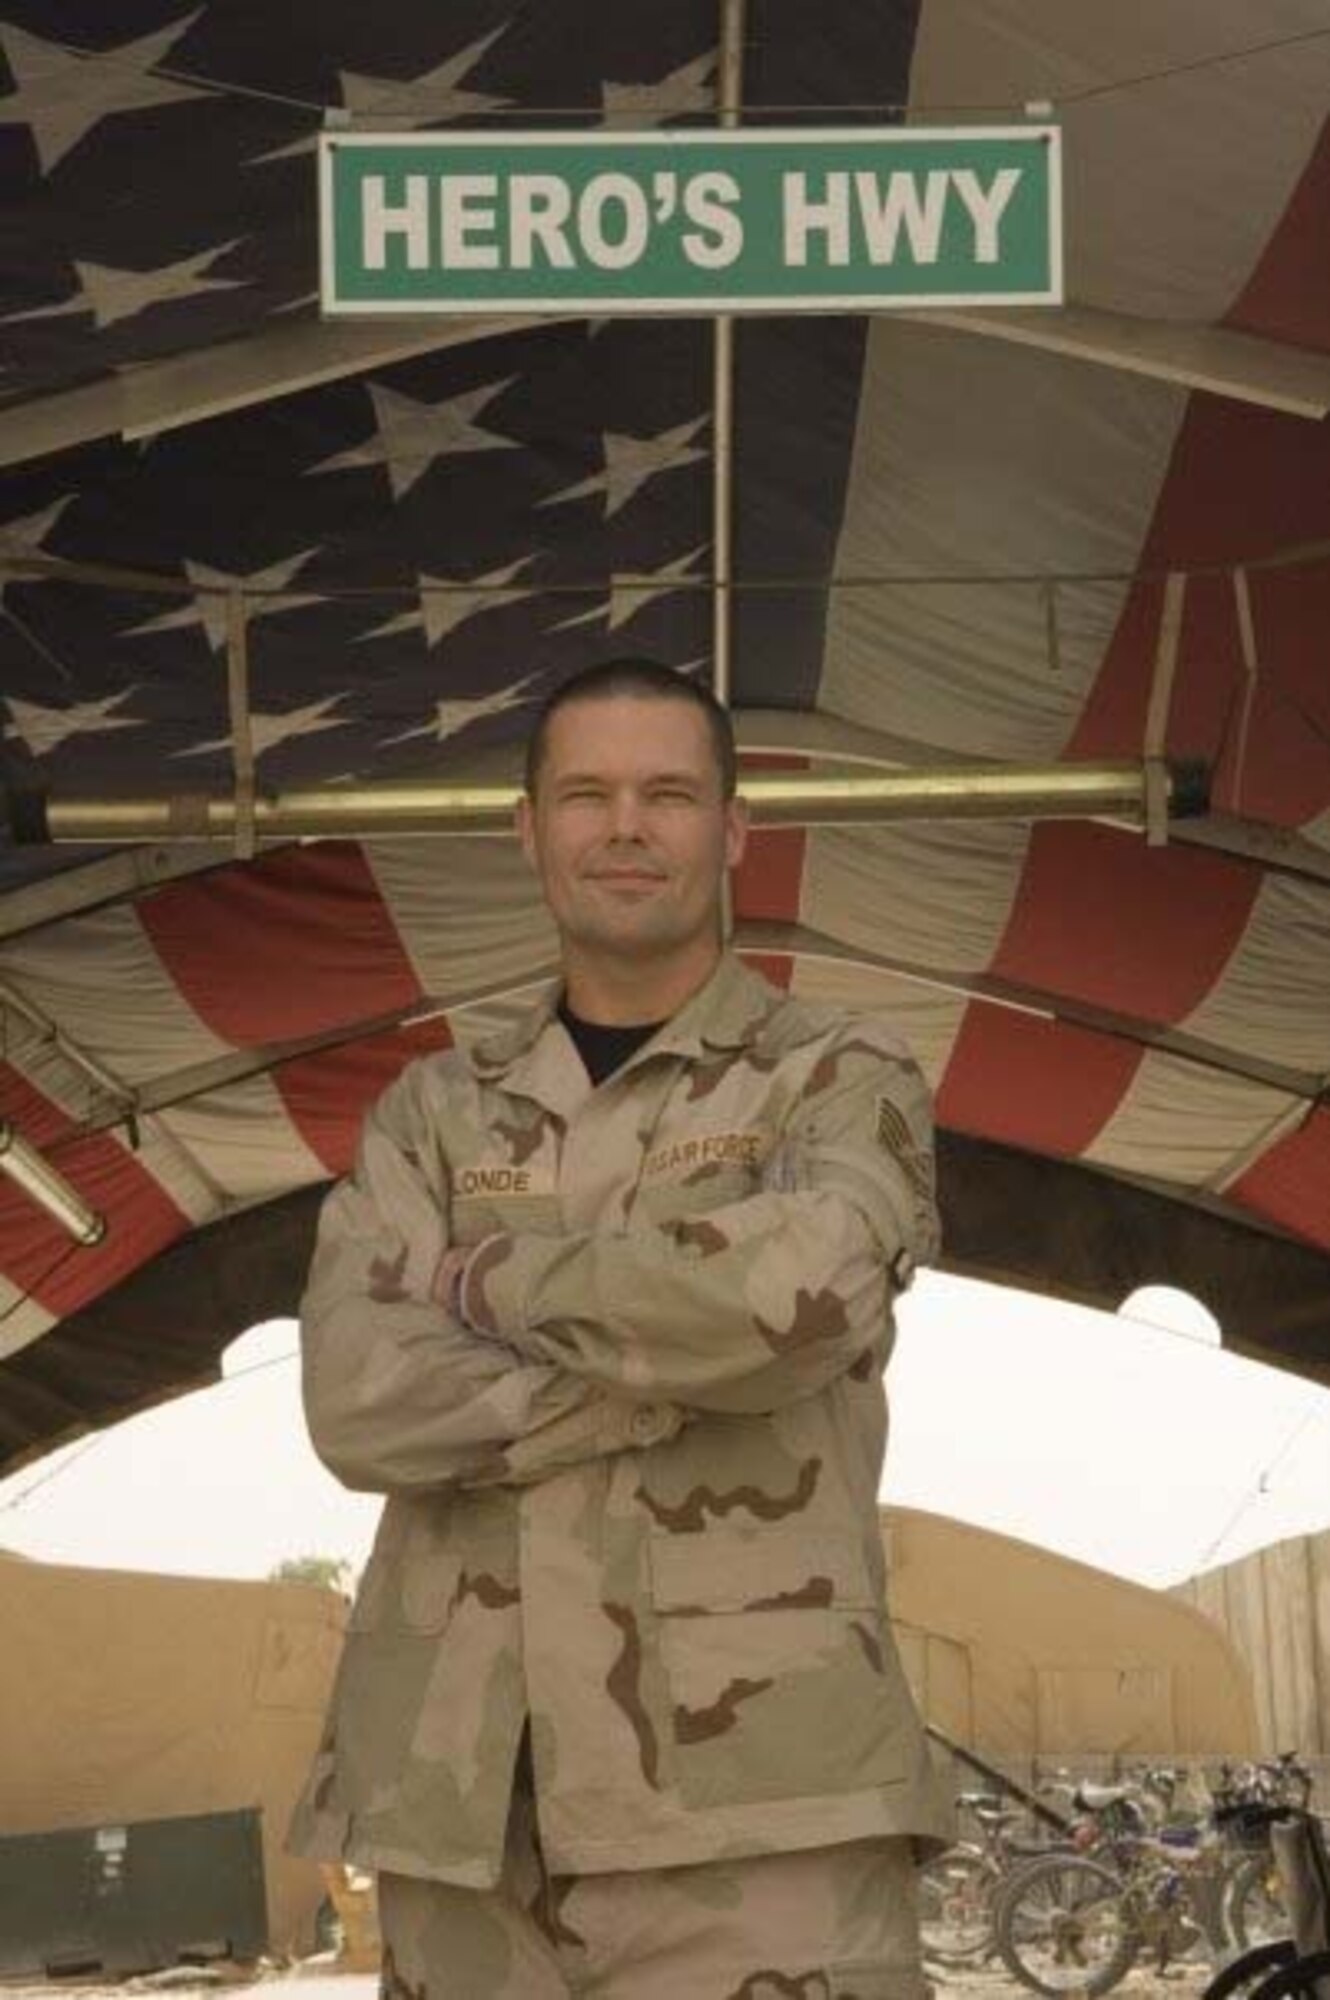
(950, 546)
(1020, 1654)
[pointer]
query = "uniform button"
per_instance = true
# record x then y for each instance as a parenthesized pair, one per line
(647, 1425)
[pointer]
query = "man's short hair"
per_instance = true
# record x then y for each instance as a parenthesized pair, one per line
(640, 680)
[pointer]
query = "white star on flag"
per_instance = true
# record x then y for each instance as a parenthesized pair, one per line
(631, 461)
(110, 294)
(452, 717)
(267, 730)
(429, 99)
(62, 96)
(25, 535)
(686, 89)
(448, 601)
(45, 729)
(409, 436)
(632, 592)
(209, 608)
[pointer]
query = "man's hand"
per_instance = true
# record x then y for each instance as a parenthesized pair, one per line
(449, 1277)
(452, 1277)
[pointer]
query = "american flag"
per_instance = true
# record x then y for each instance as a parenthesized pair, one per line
(948, 547)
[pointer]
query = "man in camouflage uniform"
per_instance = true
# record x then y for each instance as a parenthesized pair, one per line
(603, 1310)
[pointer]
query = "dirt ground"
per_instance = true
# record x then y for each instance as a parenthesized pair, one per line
(1185, 1982)
(304, 1983)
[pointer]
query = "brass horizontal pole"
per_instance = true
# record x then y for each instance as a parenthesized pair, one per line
(433, 807)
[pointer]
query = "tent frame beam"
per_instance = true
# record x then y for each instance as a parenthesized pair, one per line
(167, 1092)
(206, 1079)
(113, 878)
(802, 941)
(1240, 366)
(190, 388)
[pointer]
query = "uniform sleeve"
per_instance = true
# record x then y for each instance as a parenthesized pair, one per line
(398, 1394)
(757, 1303)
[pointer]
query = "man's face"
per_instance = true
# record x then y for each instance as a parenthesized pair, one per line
(628, 831)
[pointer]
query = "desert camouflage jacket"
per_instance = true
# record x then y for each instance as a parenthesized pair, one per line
(639, 1510)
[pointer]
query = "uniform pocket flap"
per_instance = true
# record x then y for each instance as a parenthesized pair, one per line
(734, 1571)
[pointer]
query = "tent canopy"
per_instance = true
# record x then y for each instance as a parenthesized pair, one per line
(1026, 537)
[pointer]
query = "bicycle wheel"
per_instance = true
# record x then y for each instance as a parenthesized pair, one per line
(1249, 1971)
(956, 1906)
(1254, 1909)
(1303, 1980)
(1060, 1926)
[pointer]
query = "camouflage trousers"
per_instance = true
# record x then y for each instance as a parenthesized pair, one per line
(832, 1923)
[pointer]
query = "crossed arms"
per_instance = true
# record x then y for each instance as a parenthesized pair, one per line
(561, 1340)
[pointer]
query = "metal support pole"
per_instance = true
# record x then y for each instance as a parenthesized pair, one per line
(1129, 792)
(730, 91)
(242, 738)
(722, 397)
(30, 1170)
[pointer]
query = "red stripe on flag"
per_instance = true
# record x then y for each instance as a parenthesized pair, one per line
(292, 944)
(1033, 1083)
(768, 882)
(1290, 1185)
(1103, 917)
(1243, 484)
(1112, 722)
(775, 966)
(36, 1254)
(328, 1092)
(1287, 296)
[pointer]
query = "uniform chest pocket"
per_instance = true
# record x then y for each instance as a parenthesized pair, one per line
(489, 1211)
(675, 1197)
(779, 1667)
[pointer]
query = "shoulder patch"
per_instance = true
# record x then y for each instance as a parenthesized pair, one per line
(895, 1136)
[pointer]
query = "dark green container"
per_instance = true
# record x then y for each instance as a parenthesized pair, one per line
(133, 1896)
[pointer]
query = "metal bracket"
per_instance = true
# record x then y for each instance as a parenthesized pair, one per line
(242, 741)
(1156, 786)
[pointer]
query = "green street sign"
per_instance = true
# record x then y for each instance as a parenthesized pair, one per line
(690, 221)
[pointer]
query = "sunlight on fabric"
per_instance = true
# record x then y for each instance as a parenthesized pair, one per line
(1171, 1311)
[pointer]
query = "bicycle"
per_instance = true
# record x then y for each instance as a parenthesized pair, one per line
(1136, 1884)
(1142, 1883)
(957, 1890)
